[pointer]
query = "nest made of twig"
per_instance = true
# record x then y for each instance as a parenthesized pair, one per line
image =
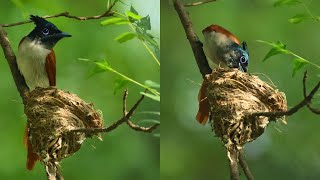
(233, 95)
(52, 114)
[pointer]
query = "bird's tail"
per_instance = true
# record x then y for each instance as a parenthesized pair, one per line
(32, 157)
(204, 108)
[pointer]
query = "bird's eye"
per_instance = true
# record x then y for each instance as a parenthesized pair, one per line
(45, 31)
(243, 59)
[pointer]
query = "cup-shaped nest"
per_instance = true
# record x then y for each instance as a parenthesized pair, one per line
(52, 114)
(232, 96)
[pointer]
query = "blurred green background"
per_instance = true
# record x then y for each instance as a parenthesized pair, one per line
(190, 150)
(123, 153)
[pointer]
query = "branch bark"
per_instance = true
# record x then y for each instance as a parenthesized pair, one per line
(244, 165)
(199, 3)
(232, 155)
(124, 119)
(293, 110)
(107, 13)
(11, 60)
(194, 41)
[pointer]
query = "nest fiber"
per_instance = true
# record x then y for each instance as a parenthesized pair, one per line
(232, 96)
(51, 114)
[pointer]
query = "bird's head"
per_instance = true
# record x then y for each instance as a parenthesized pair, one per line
(224, 48)
(45, 33)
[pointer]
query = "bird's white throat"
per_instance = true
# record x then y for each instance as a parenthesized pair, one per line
(31, 61)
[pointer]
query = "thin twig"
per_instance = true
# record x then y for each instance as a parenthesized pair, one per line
(232, 155)
(312, 109)
(107, 13)
(194, 41)
(11, 60)
(140, 128)
(114, 125)
(124, 101)
(131, 124)
(244, 165)
(199, 3)
(293, 110)
(53, 171)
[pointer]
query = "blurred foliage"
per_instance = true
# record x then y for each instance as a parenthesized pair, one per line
(124, 153)
(190, 150)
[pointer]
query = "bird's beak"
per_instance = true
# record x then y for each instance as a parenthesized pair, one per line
(63, 34)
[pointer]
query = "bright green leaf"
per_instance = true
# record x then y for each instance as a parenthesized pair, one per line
(152, 84)
(298, 18)
(101, 66)
(278, 48)
(125, 37)
(133, 15)
(298, 63)
(115, 21)
(145, 23)
(286, 2)
(154, 97)
(119, 84)
(133, 10)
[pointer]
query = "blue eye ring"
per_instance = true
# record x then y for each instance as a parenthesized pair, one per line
(243, 59)
(45, 31)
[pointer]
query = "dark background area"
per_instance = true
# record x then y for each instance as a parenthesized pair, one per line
(123, 153)
(190, 150)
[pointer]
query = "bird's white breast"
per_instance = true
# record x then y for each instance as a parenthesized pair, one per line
(31, 61)
(213, 42)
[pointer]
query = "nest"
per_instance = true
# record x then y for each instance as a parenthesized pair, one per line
(232, 96)
(52, 114)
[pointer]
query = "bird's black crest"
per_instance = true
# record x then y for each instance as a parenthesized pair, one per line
(38, 21)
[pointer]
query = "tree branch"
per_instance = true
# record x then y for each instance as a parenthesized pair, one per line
(312, 109)
(107, 13)
(115, 124)
(124, 119)
(199, 3)
(293, 110)
(244, 165)
(194, 41)
(232, 155)
(11, 60)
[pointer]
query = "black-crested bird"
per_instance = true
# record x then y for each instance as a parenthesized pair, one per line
(37, 63)
(224, 49)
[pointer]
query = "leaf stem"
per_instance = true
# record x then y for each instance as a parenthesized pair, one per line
(291, 53)
(135, 82)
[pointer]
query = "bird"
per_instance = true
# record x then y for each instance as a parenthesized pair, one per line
(36, 62)
(224, 49)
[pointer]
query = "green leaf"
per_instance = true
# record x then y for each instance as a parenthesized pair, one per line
(101, 66)
(149, 121)
(298, 18)
(133, 15)
(125, 37)
(286, 2)
(152, 84)
(119, 84)
(115, 21)
(154, 97)
(133, 10)
(278, 48)
(298, 63)
(145, 23)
